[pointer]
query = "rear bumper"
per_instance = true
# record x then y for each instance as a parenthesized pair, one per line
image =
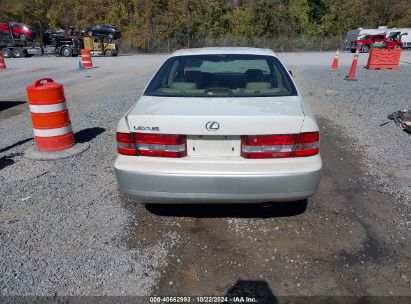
(219, 187)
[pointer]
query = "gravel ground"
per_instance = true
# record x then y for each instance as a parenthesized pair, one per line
(65, 230)
(360, 107)
(62, 222)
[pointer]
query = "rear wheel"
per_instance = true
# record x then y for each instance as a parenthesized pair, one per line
(365, 48)
(57, 52)
(18, 53)
(108, 53)
(6, 53)
(66, 52)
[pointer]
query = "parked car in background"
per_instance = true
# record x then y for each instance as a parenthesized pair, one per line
(365, 43)
(222, 125)
(104, 30)
(394, 40)
(403, 34)
(361, 32)
(19, 30)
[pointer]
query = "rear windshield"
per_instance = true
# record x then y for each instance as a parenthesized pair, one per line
(221, 76)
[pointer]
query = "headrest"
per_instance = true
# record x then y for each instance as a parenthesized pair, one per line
(254, 75)
(193, 76)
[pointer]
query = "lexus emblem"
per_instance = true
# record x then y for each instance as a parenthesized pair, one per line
(212, 126)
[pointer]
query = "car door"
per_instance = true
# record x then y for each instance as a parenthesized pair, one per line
(106, 30)
(97, 30)
(4, 28)
(16, 29)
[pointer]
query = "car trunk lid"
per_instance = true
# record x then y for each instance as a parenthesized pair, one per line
(216, 116)
(214, 126)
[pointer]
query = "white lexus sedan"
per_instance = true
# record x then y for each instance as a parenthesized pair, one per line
(218, 125)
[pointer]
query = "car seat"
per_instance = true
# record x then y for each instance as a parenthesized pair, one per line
(196, 77)
(254, 75)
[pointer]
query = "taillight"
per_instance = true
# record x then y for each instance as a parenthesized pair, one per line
(308, 144)
(267, 146)
(280, 146)
(125, 144)
(161, 145)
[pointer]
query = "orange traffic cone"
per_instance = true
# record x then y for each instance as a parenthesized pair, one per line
(334, 66)
(351, 74)
(2, 63)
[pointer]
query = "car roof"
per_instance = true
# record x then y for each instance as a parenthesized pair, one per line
(15, 22)
(223, 50)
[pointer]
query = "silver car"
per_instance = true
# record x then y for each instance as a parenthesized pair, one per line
(219, 125)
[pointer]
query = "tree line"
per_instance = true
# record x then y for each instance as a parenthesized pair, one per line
(143, 21)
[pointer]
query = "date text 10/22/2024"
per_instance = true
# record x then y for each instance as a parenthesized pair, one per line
(203, 299)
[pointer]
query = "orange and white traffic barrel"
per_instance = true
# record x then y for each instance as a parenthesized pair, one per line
(50, 117)
(2, 63)
(86, 59)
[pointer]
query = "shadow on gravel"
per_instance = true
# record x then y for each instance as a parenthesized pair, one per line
(88, 134)
(229, 210)
(15, 144)
(4, 105)
(259, 291)
(8, 160)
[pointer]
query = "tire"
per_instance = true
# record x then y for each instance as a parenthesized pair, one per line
(66, 52)
(352, 51)
(90, 33)
(365, 48)
(397, 46)
(111, 36)
(108, 53)
(6, 53)
(22, 37)
(57, 52)
(18, 53)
